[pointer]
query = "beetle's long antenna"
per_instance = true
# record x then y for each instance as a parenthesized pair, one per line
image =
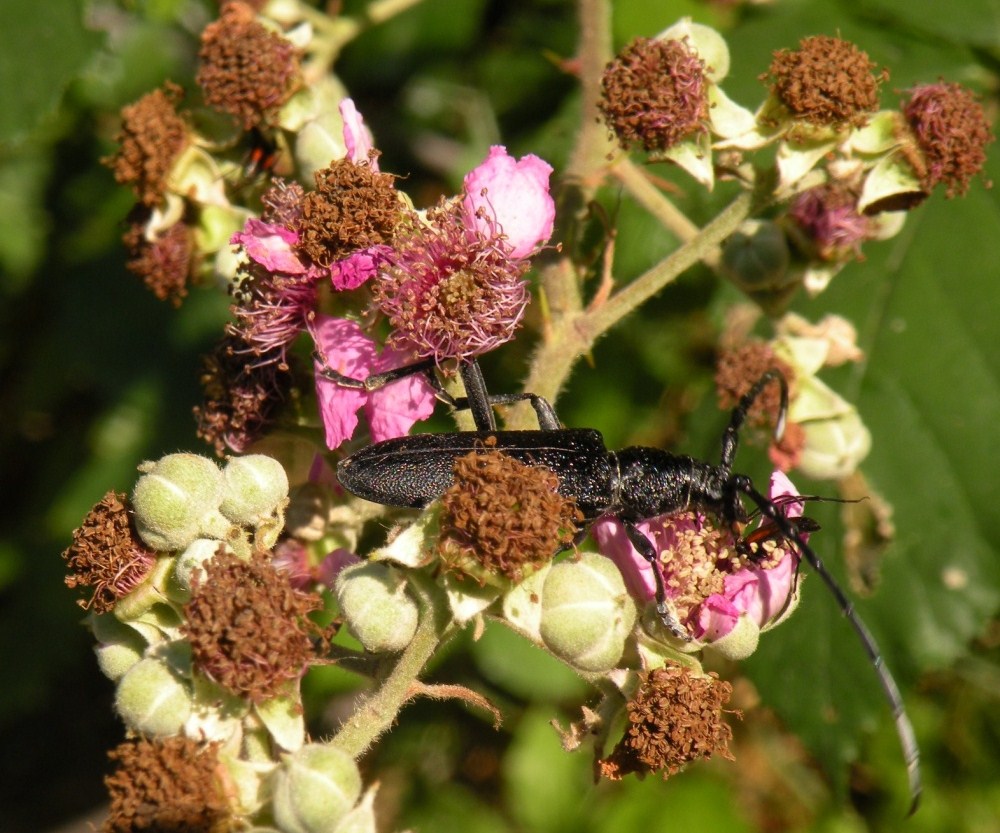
(904, 728)
(731, 436)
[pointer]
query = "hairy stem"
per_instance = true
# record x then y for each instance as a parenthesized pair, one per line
(379, 711)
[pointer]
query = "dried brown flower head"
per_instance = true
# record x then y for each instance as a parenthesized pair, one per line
(107, 554)
(952, 133)
(353, 207)
(241, 396)
(153, 135)
(655, 94)
(170, 784)
(826, 81)
(246, 69)
(675, 718)
(248, 627)
(165, 264)
(508, 516)
(737, 371)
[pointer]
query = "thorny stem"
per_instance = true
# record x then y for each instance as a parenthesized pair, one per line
(379, 711)
(574, 333)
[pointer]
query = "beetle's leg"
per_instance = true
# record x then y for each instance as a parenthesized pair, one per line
(648, 551)
(477, 398)
(730, 437)
(547, 419)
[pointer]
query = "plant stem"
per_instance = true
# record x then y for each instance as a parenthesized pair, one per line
(378, 712)
(572, 335)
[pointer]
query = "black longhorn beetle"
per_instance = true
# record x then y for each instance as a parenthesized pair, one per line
(634, 484)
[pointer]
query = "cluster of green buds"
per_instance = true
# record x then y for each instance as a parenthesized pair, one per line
(207, 641)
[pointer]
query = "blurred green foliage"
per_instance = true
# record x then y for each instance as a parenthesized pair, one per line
(97, 376)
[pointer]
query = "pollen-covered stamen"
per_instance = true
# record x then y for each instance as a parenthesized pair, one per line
(107, 554)
(740, 368)
(248, 627)
(246, 69)
(655, 93)
(695, 557)
(281, 204)
(449, 291)
(153, 135)
(952, 133)
(505, 515)
(271, 309)
(675, 718)
(172, 783)
(353, 207)
(826, 81)
(165, 264)
(241, 397)
(829, 225)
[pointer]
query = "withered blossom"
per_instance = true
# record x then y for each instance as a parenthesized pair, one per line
(248, 627)
(655, 93)
(167, 784)
(152, 136)
(504, 514)
(827, 81)
(107, 554)
(674, 718)
(246, 69)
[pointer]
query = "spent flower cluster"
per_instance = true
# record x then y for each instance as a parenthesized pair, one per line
(212, 591)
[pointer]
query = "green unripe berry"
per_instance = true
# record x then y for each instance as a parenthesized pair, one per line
(152, 699)
(174, 497)
(756, 256)
(377, 607)
(255, 488)
(314, 788)
(587, 614)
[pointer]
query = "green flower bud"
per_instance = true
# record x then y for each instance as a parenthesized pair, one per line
(834, 448)
(189, 564)
(256, 486)
(314, 789)
(587, 614)
(377, 607)
(116, 658)
(740, 642)
(173, 497)
(152, 699)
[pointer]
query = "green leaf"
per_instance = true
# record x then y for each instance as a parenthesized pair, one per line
(42, 49)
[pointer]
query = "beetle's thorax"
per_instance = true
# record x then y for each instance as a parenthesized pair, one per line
(653, 482)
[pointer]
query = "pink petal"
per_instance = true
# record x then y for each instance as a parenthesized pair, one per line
(392, 410)
(329, 568)
(345, 348)
(773, 590)
(717, 616)
(357, 137)
(357, 268)
(270, 245)
(513, 195)
(613, 542)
